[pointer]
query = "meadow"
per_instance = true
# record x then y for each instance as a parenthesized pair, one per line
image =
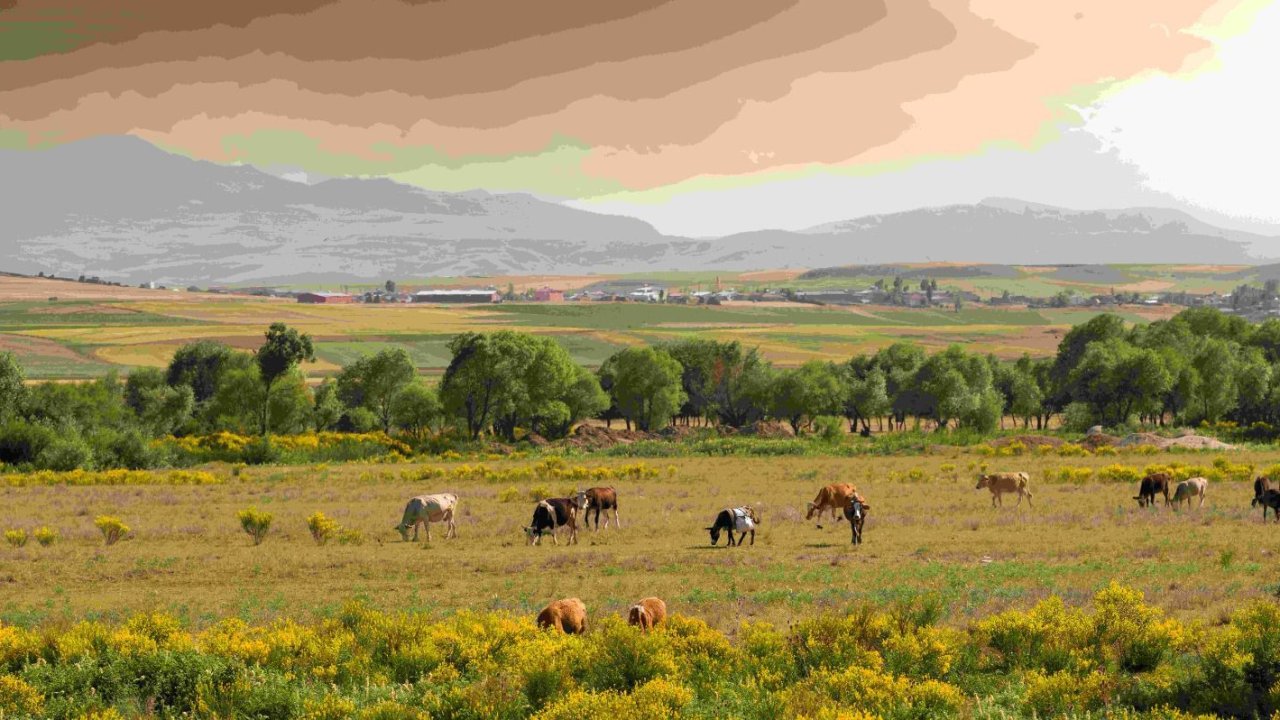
(1083, 605)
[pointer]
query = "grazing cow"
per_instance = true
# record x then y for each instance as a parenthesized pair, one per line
(426, 509)
(598, 498)
(566, 616)
(1269, 499)
(856, 513)
(743, 520)
(1260, 487)
(1152, 484)
(1188, 489)
(1006, 482)
(647, 614)
(834, 497)
(550, 514)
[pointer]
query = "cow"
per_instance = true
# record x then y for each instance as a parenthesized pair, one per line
(743, 520)
(566, 616)
(598, 498)
(1005, 482)
(834, 497)
(856, 513)
(1154, 483)
(426, 509)
(550, 514)
(647, 614)
(1188, 489)
(1269, 498)
(1260, 487)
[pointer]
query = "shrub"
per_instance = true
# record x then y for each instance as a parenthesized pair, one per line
(255, 523)
(45, 535)
(828, 428)
(65, 453)
(18, 699)
(111, 527)
(509, 495)
(1106, 451)
(322, 527)
(350, 536)
(1120, 473)
(538, 493)
(1072, 450)
(16, 538)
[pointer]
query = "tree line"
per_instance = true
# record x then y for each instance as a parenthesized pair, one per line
(1199, 366)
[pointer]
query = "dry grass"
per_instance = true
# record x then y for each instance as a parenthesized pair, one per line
(187, 553)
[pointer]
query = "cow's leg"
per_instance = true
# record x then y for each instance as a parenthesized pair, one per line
(753, 537)
(427, 525)
(616, 522)
(415, 530)
(554, 540)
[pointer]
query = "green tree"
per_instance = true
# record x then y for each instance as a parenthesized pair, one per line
(374, 381)
(244, 404)
(199, 366)
(328, 407)
(416, 408)
(1215, 391)
(741, 383)
(803, 393)
(284, 349)
(583, 398)
(12, 386)
(646, 383)
(866, 393)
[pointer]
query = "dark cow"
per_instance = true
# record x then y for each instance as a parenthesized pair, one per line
(743, 520)
(598, 498)
(856, 513)
(1260, 487)
(550, 514)
(1269, 499)
(1151, 485)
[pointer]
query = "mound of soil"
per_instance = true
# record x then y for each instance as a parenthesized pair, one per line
(1095, 440)
(767, 429)
(1190, 441)
(594, 437)
(536, 440)
(1031, 441)
(679, 432)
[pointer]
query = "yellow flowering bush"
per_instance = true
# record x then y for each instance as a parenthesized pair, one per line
(109, 477)
(16, 538)
(45, 535)
(256, 523)
(321, 527)
(112, 528)
(18, 699)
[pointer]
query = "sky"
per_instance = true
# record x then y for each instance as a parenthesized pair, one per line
(703, 117)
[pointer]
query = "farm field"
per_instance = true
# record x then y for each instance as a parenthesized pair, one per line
(929, 533)
(89, 337)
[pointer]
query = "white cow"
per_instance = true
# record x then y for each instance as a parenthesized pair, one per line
(426, 509)
(1189, 488)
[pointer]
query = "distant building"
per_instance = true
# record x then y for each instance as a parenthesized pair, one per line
(458, 296)
(647, 293)
(325, 298)
(546, 294)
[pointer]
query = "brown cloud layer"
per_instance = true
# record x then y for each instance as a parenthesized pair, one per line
(659, 91)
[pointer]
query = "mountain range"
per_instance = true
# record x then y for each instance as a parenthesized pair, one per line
(122, 209)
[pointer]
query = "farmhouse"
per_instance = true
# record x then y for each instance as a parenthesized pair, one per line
(546, 294)
(473, 295)
(325, 298)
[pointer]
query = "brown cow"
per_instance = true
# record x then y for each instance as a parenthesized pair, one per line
(647, 614)
(1152, 484)
(566, 616)
(598, 498)
(1005, 482)
(835, 497)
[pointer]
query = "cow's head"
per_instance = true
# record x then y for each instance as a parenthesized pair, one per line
(983, 481)
(531, 536)
(637, 615)
(856, 508)
(812, 508)
(403, 529)
(580, 499)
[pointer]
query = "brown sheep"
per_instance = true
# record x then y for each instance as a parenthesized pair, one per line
(647, 614)
(566, 616)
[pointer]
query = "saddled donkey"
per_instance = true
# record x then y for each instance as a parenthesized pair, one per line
(856, 513)
(426, 509)
(834, 497)
(550, 514)
(598, 498)
(742, 519)
(1260, 487)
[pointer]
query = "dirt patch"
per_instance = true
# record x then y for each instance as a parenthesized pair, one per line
(1189, 441)
(594, 437)
(1030, 441)
(58, 309)
(767, 429)
(24, 346)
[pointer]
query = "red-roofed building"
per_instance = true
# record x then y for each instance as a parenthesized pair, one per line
(546, 294)
(325, 298)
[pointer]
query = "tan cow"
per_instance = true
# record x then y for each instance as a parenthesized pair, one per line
(426, 509)
(1005, 482)
(566, 616)
(647, 614)
(835, 497)
(1188, 489)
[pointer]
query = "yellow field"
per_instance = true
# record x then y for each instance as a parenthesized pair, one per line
(928, 530)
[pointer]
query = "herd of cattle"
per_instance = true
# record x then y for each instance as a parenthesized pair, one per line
(842, 500)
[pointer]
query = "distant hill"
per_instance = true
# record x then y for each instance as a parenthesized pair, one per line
(124, 210)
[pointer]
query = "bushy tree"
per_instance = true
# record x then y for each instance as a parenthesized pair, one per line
(374, 381)
(646, 383)
(199, 365)
(12, 386)
(416, 408)
(803, 393)
(283, 350)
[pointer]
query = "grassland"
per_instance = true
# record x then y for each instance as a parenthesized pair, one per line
(929, 532)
